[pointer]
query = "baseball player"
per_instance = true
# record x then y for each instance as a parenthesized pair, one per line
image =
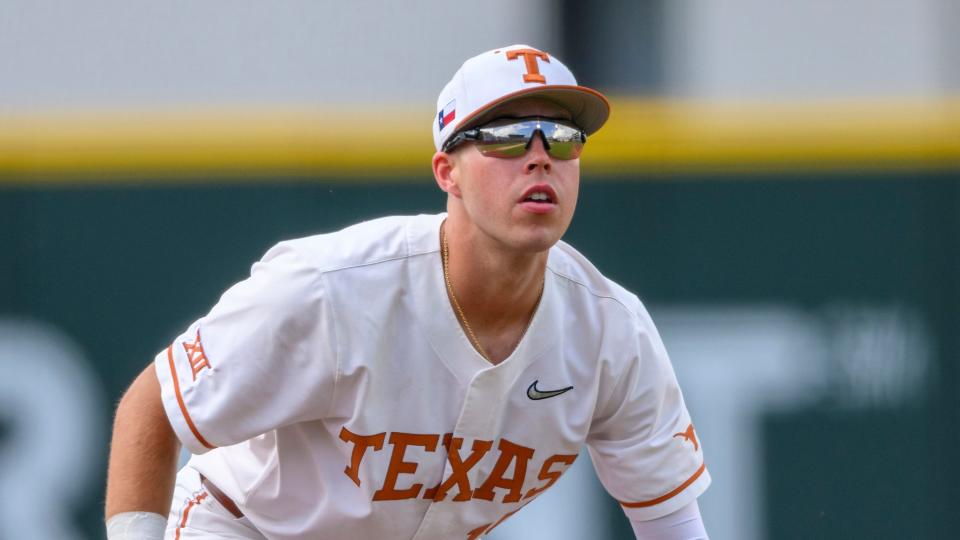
(420, 377)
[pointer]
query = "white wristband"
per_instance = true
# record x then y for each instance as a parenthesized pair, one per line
(684, 524)
(136, 526)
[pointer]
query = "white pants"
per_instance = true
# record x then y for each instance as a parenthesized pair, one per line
(196, 514)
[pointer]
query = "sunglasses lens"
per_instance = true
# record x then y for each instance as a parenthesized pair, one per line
(566, 149)
(505, 141)
(566, 142)
(510, 149)
(511, 140)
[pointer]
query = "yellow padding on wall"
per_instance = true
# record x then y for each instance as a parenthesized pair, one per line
(253, 143)
(641, 136)
(728, 136)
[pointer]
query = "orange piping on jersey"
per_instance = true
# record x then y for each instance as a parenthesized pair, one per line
(186, 512)
(183, 407)
(658, 500)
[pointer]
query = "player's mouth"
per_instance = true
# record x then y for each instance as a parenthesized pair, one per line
(539, 199)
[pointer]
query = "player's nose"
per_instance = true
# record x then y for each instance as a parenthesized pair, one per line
(537, 156)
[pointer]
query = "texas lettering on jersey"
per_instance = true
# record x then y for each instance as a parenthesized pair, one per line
(457, 484)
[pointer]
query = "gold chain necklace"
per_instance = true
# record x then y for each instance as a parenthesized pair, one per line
(445, 260)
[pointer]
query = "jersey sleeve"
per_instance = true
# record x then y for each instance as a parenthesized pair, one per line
(644, 446)
(264, 357)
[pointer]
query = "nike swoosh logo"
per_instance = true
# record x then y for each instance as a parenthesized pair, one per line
(534, 393)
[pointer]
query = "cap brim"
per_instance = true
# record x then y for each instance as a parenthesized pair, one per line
(588, 108)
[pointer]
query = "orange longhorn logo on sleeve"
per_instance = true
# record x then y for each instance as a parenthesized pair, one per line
(195, 355)
(690, 436)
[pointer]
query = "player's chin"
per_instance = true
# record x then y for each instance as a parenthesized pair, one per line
(543, 229)
(539, 238)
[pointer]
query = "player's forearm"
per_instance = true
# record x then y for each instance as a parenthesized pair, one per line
(143, 452)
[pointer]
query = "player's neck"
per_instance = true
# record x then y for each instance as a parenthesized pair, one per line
(497, 290)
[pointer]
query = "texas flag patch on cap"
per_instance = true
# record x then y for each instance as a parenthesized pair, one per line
(448, 113)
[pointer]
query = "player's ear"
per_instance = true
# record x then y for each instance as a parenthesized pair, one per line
(446, 172)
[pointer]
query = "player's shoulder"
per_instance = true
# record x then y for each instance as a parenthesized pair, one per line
(366, 243)
(579, 276)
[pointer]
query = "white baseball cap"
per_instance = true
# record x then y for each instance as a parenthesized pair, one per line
(502, 75)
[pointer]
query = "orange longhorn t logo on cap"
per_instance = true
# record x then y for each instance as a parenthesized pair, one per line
(530, 58)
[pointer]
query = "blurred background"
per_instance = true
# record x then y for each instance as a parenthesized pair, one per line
(779, 182)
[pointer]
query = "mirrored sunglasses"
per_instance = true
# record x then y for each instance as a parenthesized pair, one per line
(511, 137)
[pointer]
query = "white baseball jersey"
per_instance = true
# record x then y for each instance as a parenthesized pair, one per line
(333, 394)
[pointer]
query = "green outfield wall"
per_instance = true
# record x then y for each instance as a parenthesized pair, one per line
(120, 268)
